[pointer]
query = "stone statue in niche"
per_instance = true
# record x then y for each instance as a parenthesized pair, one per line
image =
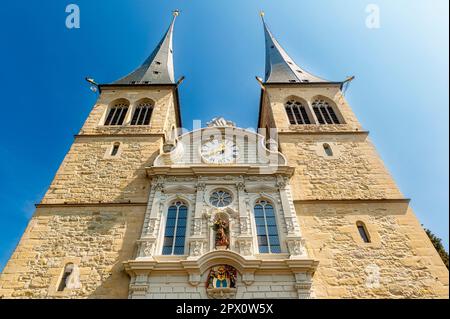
(222, 228)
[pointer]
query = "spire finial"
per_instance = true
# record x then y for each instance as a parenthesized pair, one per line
(176, 13)
(262, 14)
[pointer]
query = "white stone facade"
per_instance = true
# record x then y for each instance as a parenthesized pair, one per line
(286, 274)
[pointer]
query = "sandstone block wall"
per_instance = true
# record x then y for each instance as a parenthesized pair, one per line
(97, 239)
(89, 175)
(400, 254)
(355, 171)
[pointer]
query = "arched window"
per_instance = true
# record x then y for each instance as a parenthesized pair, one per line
(68, 269)
(142, 113)
(296, 113)
(363, 232)
(266, 228)
(324, 112)
(327, 149)
(117, 113)
(115, 149)
(175, 234)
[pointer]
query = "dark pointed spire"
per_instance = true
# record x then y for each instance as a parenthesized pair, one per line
(158, 67)
(280, 68)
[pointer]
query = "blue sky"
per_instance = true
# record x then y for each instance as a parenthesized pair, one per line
(400, 93)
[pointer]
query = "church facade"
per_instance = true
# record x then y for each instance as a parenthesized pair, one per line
(303, 208)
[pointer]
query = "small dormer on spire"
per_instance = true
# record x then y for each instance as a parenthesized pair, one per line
(280, 68)
(158, 67)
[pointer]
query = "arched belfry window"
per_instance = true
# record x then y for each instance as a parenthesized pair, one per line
(117, 113)
(175, 233)
(266, 228)
(296, 113)
(142, 113)
(324, 112)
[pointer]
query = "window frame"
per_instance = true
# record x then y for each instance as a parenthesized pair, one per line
(175, 228)
(149, 106)
(363, 232)
(322, 111)
(266, 227)
(115, 105)
(302, 108)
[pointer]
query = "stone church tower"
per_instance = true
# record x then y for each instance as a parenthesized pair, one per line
(303, 209)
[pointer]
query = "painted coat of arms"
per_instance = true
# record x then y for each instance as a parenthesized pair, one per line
(221, 281)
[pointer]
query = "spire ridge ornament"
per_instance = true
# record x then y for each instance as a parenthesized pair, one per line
(220, 122)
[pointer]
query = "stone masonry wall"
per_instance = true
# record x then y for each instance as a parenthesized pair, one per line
(89, 175)
(96, 239)
(400, 252)
(163, 113)
(355, 171)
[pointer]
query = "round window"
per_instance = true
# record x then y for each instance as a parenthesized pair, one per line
(220, 198)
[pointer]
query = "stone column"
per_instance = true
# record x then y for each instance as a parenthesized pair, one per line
(147, 242)
(295, 243)
(245, 239)
(197, 242)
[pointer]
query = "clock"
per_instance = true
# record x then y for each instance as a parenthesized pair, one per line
(219, 152)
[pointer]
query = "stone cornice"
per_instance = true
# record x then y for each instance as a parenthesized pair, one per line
(353, 201)
(109, 204)
(219, 170)
(200, 265)
(293, 132)
(119, 135)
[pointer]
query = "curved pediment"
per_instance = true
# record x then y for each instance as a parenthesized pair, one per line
(220, 146)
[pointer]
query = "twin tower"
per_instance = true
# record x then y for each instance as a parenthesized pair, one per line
(137, 211)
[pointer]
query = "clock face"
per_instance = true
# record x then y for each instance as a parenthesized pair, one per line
(219, 152)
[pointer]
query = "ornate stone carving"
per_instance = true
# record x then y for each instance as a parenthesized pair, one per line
(290, 226)
(244, 223)
(296, 247)
(151, 227)
(245, 247)
(201, 187)
(240, 186)
(281, 183)
(158, 184)
(147, 248)
(138, 289)
(194, 279)
(248, 278)
(303, 284)
(220, 122)
(196, 248)
(197, 227)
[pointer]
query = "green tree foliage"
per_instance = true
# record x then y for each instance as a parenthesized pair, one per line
(437, 243)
